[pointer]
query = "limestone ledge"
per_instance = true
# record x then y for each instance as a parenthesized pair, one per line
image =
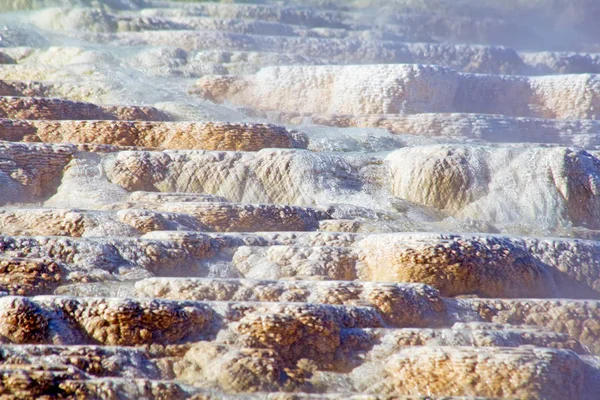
(33, 108)
(569, 324)
(405, 89)
(491, 128)
(160, 135)
(162, 216)
(352, 50)
(557, 185)
(457, 265)
(502, 372)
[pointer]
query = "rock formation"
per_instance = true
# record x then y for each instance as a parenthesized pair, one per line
(299, 200)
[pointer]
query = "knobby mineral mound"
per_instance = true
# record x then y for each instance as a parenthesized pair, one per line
(304, 199)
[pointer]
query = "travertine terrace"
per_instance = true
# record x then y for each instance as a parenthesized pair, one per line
(321, 199)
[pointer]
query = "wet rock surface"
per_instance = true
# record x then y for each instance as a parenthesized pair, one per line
(299, 200)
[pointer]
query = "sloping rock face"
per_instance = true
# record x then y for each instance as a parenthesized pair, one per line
(341, 199)
(405, 89)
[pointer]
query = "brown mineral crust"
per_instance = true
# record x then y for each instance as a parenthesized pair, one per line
(22, 89)
(400, 305)
(118, 388)
(37, 381)
(103, 148)
(308, 269)
(164, 357)
(139, 173)
(172, 135)
(25, 276)
(143, 220)
(144, 362)
(107, 321)
(15, 130)
(234, 370)
(135, 113)
(83, 255)
(457, 267)
(576, 263)
(58, 249)
(530, 373)
(299, 332)
(580, 319)
(39, 108)
(345, 317)
(43, 222)
(33, 170)
(44, 108)
(292, 336)
(418, 305)
(131, 322)
(22, 321)
(230, 217)
(218, 88)
(341, 225)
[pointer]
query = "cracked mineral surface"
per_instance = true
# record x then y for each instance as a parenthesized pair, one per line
(300, 199)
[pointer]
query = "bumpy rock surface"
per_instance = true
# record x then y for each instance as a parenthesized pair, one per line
(203, 136)
(406, 89)
(341, 199)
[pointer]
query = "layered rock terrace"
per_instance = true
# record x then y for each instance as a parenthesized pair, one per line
(335, 199)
